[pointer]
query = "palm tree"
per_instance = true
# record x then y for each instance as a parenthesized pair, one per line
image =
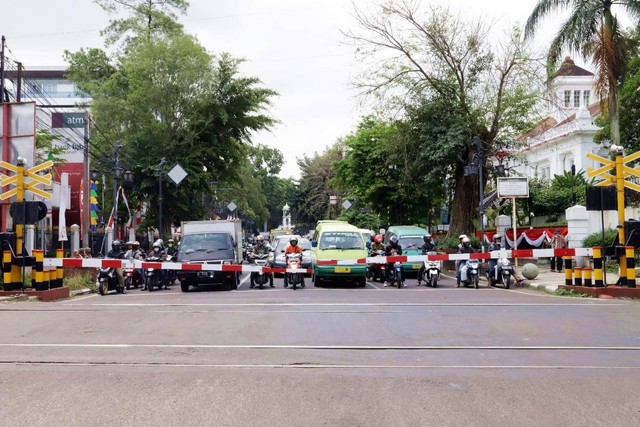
(591, 29)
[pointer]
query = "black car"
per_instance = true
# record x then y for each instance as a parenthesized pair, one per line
(207, 248)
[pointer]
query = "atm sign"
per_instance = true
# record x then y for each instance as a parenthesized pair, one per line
(67, 120)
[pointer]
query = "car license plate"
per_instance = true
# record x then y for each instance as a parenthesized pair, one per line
(343, 270)
(415, 266)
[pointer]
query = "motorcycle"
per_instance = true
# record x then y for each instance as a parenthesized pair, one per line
(430, 273)
(132, 278)
(108, 281)
(260, 277)
(503, 273)
(293, 279)
(470, 272)
(377, 270)
(153, 277)
(395, 275)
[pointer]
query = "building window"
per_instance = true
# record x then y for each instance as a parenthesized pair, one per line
(585, 97)
(576, 98)
(567, 98)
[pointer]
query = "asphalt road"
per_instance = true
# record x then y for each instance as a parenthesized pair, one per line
(332, 355)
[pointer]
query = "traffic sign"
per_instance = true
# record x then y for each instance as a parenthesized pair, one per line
(177, 174)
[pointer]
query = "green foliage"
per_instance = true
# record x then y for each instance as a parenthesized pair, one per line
(144, 19)
(595, 239)
(562, 292)
(81, 281)
(450, 84)
(452, 242)
(168, 98)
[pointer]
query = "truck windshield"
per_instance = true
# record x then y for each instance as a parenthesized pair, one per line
(206, 242)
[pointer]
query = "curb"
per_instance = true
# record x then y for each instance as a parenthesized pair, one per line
(79, 292)
(18, 298)
(537, 286)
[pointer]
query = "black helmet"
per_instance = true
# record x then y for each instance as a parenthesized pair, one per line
(394, 239)
(116, 245)
(426, 238)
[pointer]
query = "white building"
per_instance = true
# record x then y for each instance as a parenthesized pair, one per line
(565, 136)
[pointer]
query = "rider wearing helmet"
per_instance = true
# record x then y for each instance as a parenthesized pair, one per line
(116, 252)
(261, 247)
(393, 248)
(377, 244)
(495, 245)
(427, 246)
(172, 249)
(464, 248)
(158, 251)
(293, 248)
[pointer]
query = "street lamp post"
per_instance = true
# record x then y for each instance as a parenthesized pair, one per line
(160, 173)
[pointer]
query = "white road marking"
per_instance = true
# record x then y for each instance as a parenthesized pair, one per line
(323, 366)
(374, 286)
(341, 304)
(243, 281)
(329, 347)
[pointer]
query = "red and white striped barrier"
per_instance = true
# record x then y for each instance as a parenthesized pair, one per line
(125, 263)
(504, 253)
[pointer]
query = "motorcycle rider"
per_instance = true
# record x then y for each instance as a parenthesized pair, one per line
(376, 246)
(261, 248)
(428, 246)
(172, 249)
(133, 252)
(117, 253)
(464, 248)
(495, 245)
(159, 252)
(293, 248)
(393, 248)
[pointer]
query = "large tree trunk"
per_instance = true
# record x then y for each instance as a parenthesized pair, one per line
(465, 205)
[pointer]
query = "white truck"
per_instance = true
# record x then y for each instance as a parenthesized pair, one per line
(210, 242)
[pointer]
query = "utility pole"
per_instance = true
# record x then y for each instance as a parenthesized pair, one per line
(86, 188)
(160, 173)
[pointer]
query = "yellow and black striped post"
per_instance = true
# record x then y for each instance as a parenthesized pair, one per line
(46, 277)
(59, 273)
(577, 272)
(597, 267)
(38, 270)
(7, 278)
(586, 273)
(568, 270)
(631, 266)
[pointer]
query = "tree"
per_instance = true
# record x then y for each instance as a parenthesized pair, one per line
(146, 19)
(593, 30)
(166, 97)
(316, 184)
(418, 58)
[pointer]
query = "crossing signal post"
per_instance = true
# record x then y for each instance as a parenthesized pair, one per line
(21, 211)
(615, 172)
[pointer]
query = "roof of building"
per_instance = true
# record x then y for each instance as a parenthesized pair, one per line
(569, 68)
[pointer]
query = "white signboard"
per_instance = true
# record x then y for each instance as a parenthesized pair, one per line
(513, 187)
(177, 174)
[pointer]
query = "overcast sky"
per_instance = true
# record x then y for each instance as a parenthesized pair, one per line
(293, 46)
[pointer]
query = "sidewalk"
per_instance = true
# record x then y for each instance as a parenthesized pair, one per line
(549, 281)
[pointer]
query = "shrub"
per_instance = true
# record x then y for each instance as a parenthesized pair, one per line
(595, 239)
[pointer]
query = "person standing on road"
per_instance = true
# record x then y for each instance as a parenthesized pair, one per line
(557, 242)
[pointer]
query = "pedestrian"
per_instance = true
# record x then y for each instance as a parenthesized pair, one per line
(557, 242)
